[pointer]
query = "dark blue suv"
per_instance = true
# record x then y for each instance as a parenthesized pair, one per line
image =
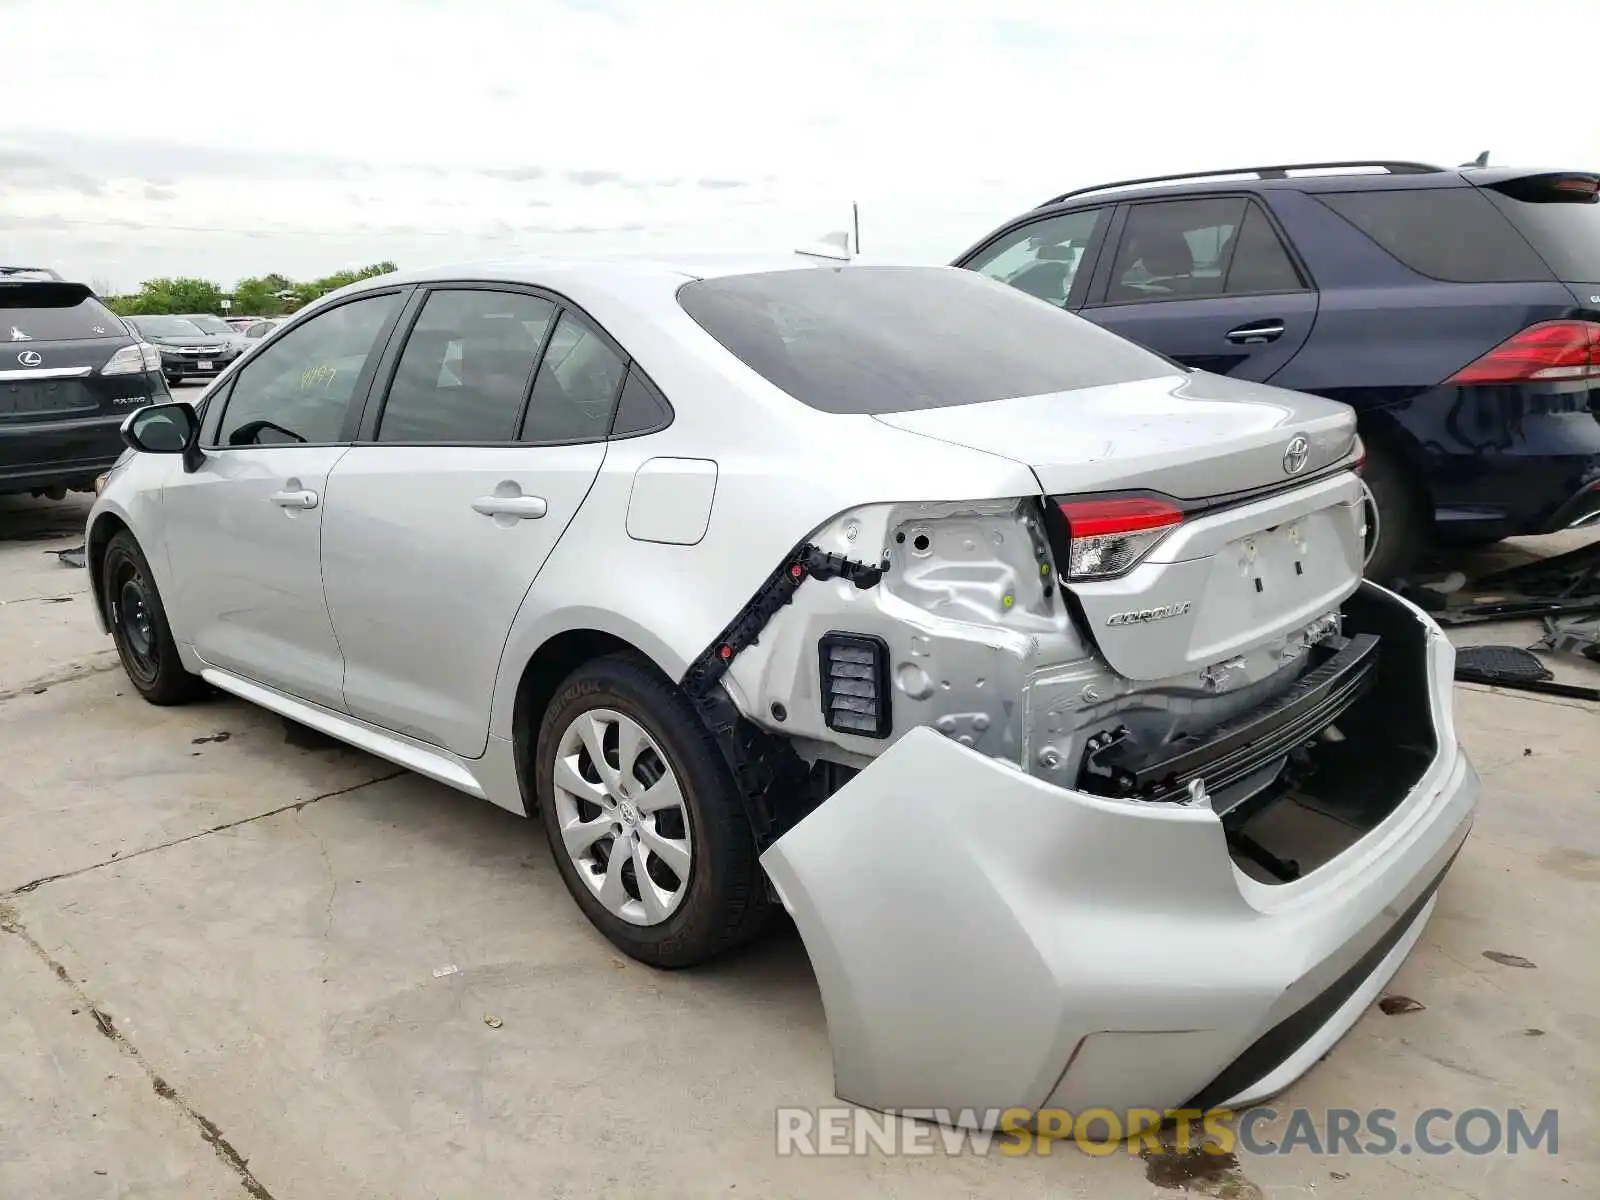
(1456, 309)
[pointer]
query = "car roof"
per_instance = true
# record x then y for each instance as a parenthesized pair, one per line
(636, 283)
(1309, 177)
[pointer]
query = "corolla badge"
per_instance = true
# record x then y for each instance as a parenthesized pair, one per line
(30, 358)
(1143, 616)
(1296, 454)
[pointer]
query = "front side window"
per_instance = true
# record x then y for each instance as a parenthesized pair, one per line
(1042, 259)
(298, 390)
(1174, 249)
(576, 389)
(466, 368)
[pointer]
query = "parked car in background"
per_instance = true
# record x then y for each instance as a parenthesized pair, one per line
(1457, 310)
(211, 323)
(259, 327)
(187, 351)
(70, 373)
(886, 593)
(240, 323)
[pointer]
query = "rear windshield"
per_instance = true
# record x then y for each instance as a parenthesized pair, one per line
(872, 340)
(1451, 234)
(51, 312)
(1562, 222)
(166, 326)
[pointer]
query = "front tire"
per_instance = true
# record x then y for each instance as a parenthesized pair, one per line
(643, 818)
(139, 626)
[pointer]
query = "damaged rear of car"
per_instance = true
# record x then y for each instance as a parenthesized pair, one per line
(1128, 792)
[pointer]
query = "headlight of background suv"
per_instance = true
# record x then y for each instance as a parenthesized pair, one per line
(133, 360)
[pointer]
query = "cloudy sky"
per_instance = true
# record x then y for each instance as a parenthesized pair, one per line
(226, 139)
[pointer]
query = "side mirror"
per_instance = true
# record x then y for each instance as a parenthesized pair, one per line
(165, 429)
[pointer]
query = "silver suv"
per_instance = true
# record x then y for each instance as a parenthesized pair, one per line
(1032, 673)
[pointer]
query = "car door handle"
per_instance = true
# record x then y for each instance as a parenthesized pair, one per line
(525, 507)
(1256, 331)
(304, 498)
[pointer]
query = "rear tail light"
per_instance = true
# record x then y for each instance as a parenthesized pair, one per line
(1551, 350)
(1360, 463)
(133, 360)
(855, 684)
(1110, 535)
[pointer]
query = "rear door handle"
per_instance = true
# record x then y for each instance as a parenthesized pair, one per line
(526, 508)
(304, 498)
(1257, 331)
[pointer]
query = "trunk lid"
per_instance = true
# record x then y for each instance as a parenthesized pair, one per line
(1254, 560)
(1191, 437)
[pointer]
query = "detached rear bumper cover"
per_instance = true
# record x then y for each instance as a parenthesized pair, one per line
(984, 940)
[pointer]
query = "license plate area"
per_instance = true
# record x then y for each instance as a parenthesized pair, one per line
(204, 364)
(44, 398)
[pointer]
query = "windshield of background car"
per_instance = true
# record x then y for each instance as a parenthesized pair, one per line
(211, 325)
(167, 327)
(50, 312)
(868, 340)
(1560, 216)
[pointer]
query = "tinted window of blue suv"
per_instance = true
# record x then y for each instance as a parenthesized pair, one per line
(1451, 234)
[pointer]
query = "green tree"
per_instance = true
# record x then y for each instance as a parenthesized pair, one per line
(181, 295)
(306, 292)
(261, 297)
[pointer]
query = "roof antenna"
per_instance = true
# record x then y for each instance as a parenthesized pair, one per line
(855, 218)
(832, 246)
(1481, 161)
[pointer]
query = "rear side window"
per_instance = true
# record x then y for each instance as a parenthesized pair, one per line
(575, 392)
(870, 340)
(1560, 216)
(1175, 250)
(466, 368)
(54, 312)
(1451, 234)
(1260, 264)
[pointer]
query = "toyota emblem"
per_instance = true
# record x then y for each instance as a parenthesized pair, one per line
(30, 358)
(1296, 454)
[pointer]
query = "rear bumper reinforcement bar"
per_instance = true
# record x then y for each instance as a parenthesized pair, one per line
(1233, 751)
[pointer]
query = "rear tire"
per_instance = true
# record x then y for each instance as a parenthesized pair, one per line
(139, 626)
(1403, 519)
(664, 786)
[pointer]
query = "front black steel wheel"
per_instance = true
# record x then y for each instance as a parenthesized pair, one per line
(139, 626)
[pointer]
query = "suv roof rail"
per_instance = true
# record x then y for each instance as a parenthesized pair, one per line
(45, 271)
(1280, 171)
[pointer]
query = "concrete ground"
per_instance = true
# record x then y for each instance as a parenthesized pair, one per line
(234, 961)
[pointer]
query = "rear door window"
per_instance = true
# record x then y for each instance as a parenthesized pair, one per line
(1259, 263)
(865, 339)
(1451, 234)
(54, 312)
(1560, 215)
(576, 390)
(466, 367)
(1042, 259)
(1175, 249)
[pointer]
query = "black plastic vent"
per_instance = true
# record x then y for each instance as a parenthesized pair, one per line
(855, 684)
